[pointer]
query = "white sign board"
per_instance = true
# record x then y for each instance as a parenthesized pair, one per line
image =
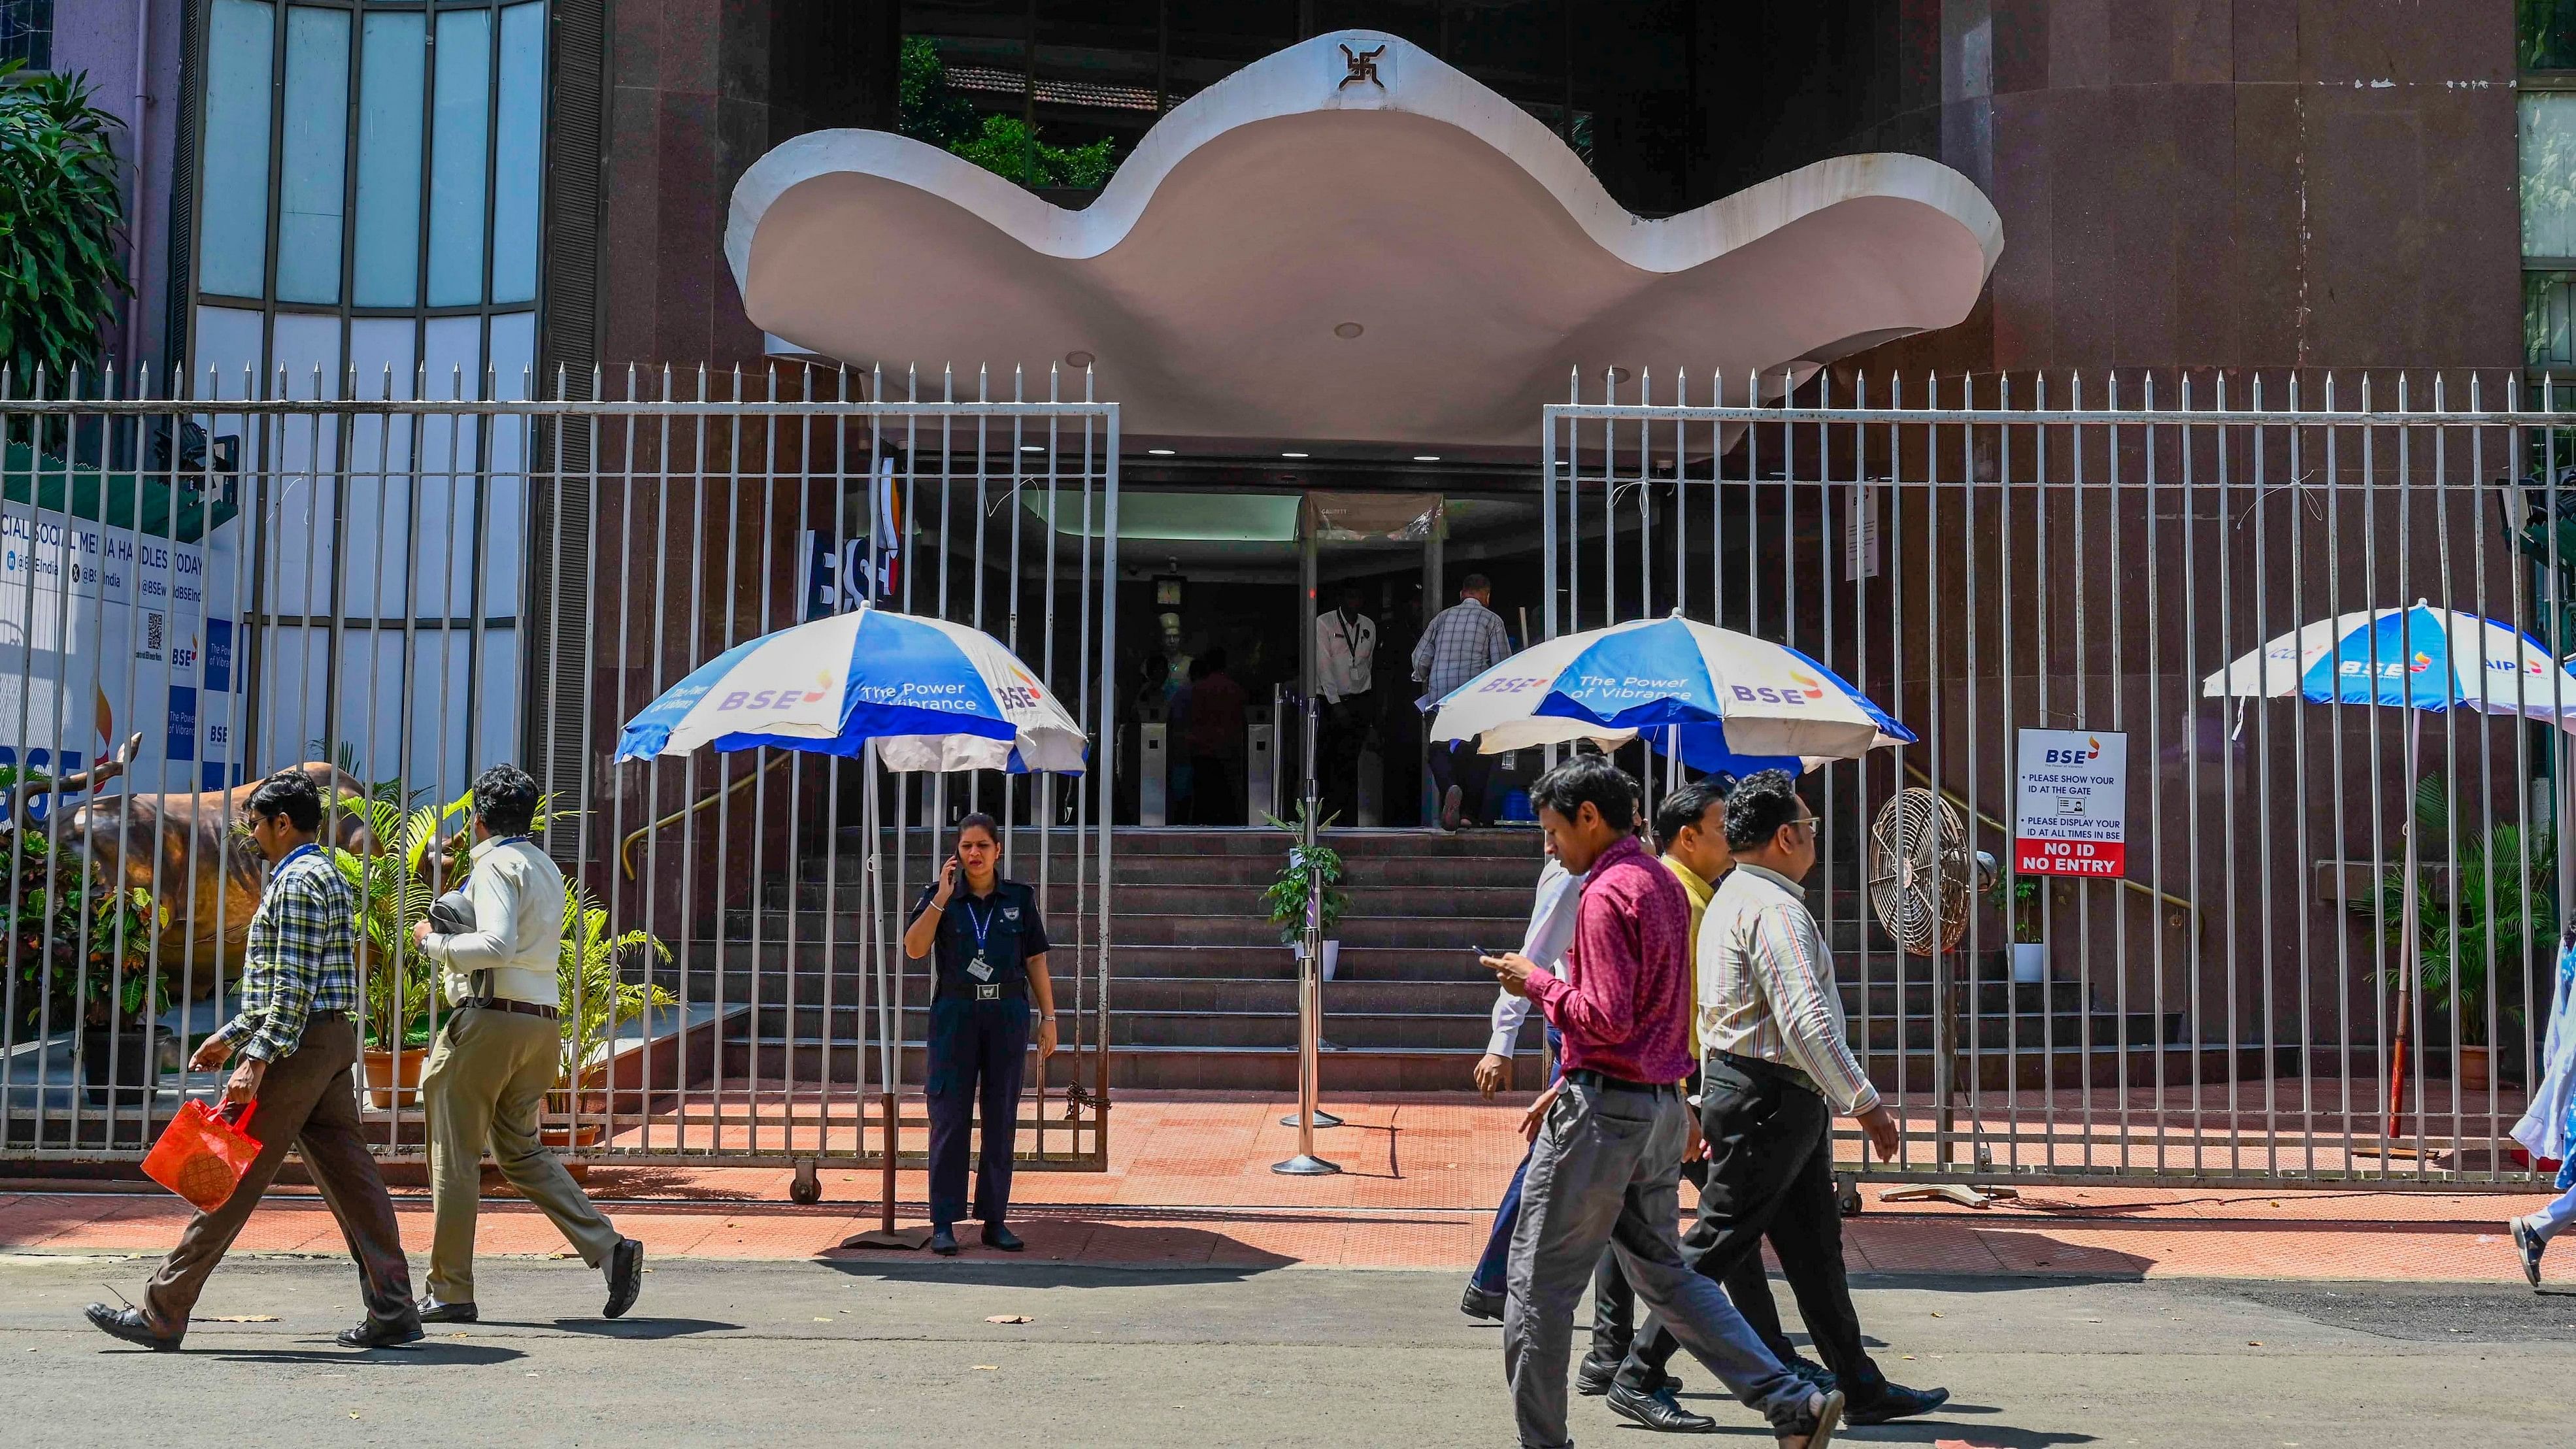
(1860, 535)
(2070, 803)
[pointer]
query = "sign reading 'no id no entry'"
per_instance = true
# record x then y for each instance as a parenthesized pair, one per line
(2071, 804)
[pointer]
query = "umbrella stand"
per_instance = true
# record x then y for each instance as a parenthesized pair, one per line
(2413, 960)
(889, 1051)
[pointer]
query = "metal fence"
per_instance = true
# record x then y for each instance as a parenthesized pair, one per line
(394, 591)
(2248, 1000)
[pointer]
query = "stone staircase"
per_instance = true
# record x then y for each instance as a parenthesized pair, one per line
(1203, 994)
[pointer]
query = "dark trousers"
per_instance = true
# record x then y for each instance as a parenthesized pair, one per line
(1341, 731)
(978, 1054)
(306, 1101)
(1770, 1173)
(1456, 762)
(1216, 790)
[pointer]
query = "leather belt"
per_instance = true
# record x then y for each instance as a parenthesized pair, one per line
(503, 1003)
(1586, 1076)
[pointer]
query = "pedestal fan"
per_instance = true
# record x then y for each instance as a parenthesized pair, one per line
(1923, 881)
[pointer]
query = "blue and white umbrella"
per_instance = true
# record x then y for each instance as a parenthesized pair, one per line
(1726, 695)
(930, 695)
(2423, 660)
(2420, 658)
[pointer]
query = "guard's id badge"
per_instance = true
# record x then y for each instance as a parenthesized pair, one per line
(980, 969)
(989, 993)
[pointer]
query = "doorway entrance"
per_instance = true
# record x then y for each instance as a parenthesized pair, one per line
(1232, 610)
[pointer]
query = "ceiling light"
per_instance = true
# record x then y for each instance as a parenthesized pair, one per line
(1160, 452)
(1348, 330)
(1426, 457)
(1292, 455)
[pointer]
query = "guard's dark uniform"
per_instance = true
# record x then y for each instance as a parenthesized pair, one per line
(979, 1040)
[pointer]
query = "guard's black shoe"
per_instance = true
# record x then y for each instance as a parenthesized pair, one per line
(382, 1333)
(131, 1325)
(1815, 1425)
(1002, 1239)
(2528, 1246)
(1477, 1303)
(433, 1311)
(625, 1276)
(1896, 1401)
(1658, 1411)
(943, 1241)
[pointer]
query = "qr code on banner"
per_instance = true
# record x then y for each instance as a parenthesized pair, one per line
(155, 625)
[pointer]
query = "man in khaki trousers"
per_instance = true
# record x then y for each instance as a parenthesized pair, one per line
(498, 1056)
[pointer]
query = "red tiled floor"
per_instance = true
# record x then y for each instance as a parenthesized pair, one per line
(1189, 1182)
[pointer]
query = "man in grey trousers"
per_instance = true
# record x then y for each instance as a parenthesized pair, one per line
(1606, 1139)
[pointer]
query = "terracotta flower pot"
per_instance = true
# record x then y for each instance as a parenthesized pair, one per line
(2474, 1069)
(393, 1082)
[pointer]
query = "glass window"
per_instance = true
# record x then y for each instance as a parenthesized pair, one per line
(2548, 34)
(27, 32)
(459, 137)
(232, 236)
(2549, 174)
(520, 155)
(312, 168)
(391, 79)
(2548, 308)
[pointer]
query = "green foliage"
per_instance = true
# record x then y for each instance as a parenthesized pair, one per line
(597, 999)
(2017, 896)
(2492, 910)
(1287, 896)
(2545, 34)
(398, 984)
(928, 110)
(82, 945)
(61, 210)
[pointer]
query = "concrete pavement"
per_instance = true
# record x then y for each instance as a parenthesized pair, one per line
(900, 1352)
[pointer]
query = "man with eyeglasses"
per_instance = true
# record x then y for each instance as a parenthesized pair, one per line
(1777, 1068)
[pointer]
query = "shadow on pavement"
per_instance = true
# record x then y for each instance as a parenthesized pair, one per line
(909, 1268)
(643, 1328)
(420, 1355)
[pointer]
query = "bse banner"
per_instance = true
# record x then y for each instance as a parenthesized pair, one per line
(2071, 803)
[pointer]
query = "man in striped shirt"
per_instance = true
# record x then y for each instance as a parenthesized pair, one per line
(1777, 1069)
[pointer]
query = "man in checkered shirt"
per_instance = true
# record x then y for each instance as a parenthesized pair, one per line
(295, 1048)
(1464, 640)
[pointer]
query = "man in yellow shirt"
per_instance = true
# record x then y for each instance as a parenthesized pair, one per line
(1691, 823)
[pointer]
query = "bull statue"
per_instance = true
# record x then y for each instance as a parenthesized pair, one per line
(208, 875)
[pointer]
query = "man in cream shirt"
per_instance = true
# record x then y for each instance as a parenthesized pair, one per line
(498, 1056)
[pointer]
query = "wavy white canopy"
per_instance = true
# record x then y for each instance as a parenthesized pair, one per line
(1479, 257)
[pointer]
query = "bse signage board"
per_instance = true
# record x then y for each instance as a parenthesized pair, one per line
(2071, 803)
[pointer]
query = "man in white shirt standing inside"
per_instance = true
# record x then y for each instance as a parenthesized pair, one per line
(499, 1055)
(1345, 659)
(1461, 642)
(1777, 1069)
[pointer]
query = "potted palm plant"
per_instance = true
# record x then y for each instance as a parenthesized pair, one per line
(597, 999)
(83, 951)
(2493, 906)
(1293, 888)
(398, 985)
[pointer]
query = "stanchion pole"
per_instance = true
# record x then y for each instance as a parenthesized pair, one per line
(1310, 996)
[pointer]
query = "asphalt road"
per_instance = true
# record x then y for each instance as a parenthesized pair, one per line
(901, 1352)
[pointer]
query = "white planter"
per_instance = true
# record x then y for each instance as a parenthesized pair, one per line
(2029, 963)
(1332, 957)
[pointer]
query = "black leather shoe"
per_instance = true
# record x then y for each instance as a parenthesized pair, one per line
(1658, 1411)
(1817, 1375)
(1592, 1378)
(1815, 1425)
(129, 1324)
(1001, 1239)
(433, 1311)
(1477, 1303)
(625, 1276)
(1896, 1401)
(378, 1333)
(943, 1241)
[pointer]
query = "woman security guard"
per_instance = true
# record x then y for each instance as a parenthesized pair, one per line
(991, 964)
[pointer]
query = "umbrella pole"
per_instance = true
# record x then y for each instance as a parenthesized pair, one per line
(2412, 960)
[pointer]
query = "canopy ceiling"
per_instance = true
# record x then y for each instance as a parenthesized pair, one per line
(1388, 256)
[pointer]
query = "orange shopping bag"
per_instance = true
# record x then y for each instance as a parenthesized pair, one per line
(202, 1157)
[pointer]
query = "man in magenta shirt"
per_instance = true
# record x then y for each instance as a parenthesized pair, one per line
(1606, 1140)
